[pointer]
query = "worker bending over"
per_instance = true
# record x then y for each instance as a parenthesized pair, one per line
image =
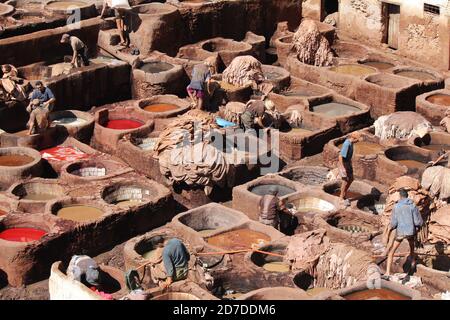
(79, 50)
(170, 262)
(199, 85)
(270, 206)
(44, 95)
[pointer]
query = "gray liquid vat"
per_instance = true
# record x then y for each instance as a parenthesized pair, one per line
(335, 109)
(263, 189)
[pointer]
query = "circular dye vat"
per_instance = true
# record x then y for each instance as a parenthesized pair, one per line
(353, 70)
(15, 160)
(69, 121)
(123, 124)
(79, 213)
(240, 239)
(378, 65)
(365, 148)
(440, 99)
(376, 294)
(161, 107)
(263, 189)
(156, 67)
(335, 109)
(22, 234)
(417, 75)
(65, 5)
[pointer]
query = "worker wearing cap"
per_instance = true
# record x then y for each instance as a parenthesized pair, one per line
(269, 208)
(78, 47)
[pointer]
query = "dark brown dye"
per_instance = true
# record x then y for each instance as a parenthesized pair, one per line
(263, 189)
(15, 160)
(378, 65)
(378, 294)
(238, 239)
(440, 99)
(156, 67)
(418, 75)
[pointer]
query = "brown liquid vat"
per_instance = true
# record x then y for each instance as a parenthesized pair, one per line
(390, 290)
(78, 210)
(18, 162)
(227, 49)
(433, 105)
(307, 175)
(412, 158)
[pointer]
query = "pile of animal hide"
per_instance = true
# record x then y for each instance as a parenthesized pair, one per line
(421, 199)
(333, 265)
(341, 266)
(187, 155)
(439, 226)
(402, 125)
(232, 111)
(294, 118)
(305, 249)
(436, 180)
(310, 46)
(243, 71)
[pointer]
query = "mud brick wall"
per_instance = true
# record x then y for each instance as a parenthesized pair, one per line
(45, 45)
(94, 85)
(232, 19)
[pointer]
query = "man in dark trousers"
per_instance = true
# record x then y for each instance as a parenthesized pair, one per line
(406, 219)
(345, 164)
(78, 48)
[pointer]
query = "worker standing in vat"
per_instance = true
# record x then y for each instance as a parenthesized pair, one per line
(119, 17)
(406, 219)
(44, 95)
(345, 165)
(79, 50)
(170, 262)
(269, 208)
(200, 81)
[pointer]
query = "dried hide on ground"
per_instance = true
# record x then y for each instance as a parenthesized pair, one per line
(439, 226)
(437, 181)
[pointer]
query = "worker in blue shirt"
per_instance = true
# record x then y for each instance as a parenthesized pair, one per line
(170, 261)
(345, 164)
(406, 219)
(44, 95)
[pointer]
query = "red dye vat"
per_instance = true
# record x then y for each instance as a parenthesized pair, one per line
(22, 234)
(123, 124)
(63, 154)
